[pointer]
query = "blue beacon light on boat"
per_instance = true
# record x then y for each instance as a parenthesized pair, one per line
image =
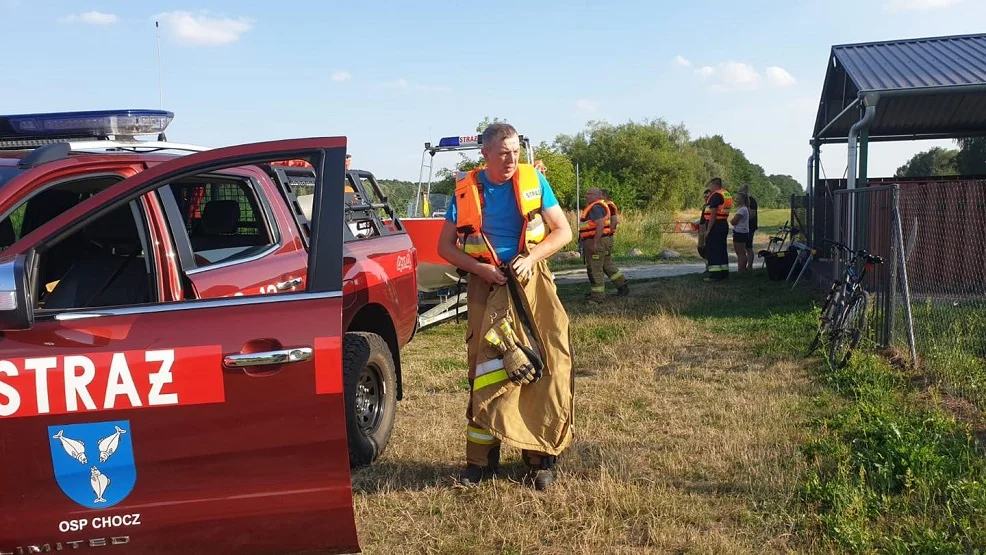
(465, 140)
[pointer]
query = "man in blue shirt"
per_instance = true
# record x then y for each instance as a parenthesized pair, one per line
(544, 417)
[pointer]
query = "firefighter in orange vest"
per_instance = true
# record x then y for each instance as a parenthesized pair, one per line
(504, 220)
(716, 216)
(596, 236)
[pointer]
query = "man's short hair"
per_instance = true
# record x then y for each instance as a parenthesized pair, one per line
(497, 132)
(715, 181)
(605, 193)
(744, 187)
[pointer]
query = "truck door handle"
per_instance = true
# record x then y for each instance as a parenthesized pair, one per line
(291, 283)
(268, 358)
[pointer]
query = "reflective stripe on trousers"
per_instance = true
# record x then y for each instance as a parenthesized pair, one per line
(479, 435)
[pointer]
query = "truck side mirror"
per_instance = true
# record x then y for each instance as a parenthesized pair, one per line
(16, 308)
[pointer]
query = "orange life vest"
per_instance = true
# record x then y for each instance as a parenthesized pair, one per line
(587, 227)
(723, 213)
(614, 213)
(469, 205)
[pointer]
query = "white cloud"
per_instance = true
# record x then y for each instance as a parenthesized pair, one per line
(682, 61)
(201, 30)
(91, 18)
(732, 76)
(918, 5)
(779, 77)
(586, 107)
(341, 75)
(738, 75)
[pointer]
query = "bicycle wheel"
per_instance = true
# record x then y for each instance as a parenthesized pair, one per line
(829, 309)
(849, 329)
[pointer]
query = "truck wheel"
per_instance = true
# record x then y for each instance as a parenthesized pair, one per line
(370, 387)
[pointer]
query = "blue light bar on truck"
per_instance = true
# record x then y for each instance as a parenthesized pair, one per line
(85, 124)
(465, 140)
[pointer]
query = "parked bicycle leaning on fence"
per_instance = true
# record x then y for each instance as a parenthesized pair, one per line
(843, 318)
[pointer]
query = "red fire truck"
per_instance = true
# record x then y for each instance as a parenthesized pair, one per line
(196, 344)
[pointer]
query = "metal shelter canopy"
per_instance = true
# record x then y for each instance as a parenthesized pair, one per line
(928, 88)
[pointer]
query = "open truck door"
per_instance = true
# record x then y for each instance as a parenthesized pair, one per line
(173, 426)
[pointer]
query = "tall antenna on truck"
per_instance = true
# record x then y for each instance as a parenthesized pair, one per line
(160, 79)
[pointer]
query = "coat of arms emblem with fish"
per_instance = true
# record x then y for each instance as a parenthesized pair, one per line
(94, 462)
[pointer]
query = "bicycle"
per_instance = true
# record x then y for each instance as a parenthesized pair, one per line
(843, 317)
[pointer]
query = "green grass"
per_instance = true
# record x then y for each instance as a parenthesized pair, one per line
(888, 469)
(890, 473)
(951, 344)
(773, 218)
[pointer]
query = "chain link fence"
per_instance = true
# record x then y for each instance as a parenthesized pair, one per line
(943, 224)
(929, 297)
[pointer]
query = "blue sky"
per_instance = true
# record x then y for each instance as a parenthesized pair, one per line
(392, 75)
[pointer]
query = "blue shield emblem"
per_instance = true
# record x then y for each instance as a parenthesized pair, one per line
(94, 463)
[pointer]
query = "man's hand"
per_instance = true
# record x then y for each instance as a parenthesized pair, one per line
(524, 266)
(491, 274)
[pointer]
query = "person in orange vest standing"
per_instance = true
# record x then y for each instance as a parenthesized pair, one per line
(596, 236)
(502, 224)
(717, 231)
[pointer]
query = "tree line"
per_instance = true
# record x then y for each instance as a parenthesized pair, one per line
(968, 159)
(649, 165)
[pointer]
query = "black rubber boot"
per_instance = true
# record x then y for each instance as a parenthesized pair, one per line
(473, 474)
(541, 476)
(623, 291)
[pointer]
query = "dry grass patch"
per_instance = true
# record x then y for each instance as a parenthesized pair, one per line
(685, 444)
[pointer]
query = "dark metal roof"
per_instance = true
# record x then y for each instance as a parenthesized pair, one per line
(925, 88)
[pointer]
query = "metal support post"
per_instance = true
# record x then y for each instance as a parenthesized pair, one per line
(811, 198)
(890, 283)
(905, 285)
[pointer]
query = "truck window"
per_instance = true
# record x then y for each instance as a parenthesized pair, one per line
(102, 264)
(224, 219)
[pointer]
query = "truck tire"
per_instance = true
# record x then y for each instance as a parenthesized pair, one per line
(370, 389)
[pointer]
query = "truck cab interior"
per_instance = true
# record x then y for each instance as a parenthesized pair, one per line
(106, 267)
